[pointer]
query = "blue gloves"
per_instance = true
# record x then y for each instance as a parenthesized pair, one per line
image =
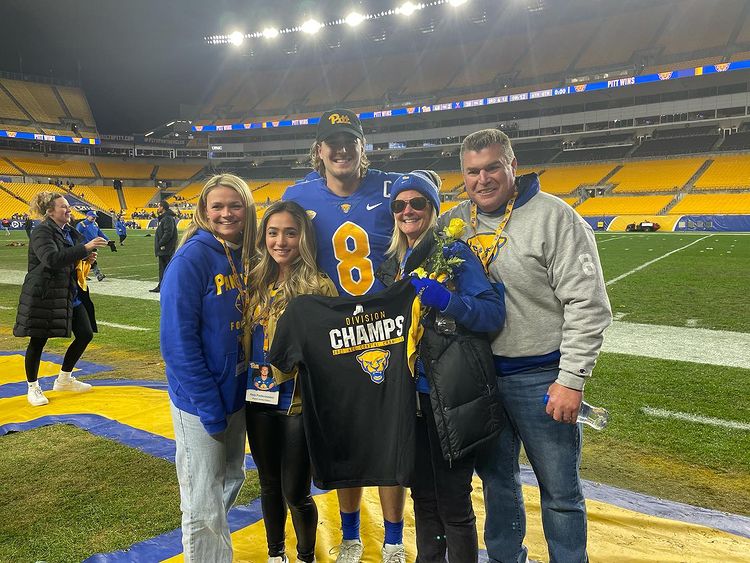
(433, 293)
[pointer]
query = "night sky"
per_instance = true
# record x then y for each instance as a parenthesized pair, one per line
(137, 60)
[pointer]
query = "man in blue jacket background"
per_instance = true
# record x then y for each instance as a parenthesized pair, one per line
(90, 230)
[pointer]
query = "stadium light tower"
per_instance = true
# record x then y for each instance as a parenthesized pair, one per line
(407, 8)
(270, 32)
(236, 38)
(354, 19)
(311, 26)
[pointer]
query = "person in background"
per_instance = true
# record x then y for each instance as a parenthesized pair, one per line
(203, 343)
(90, 230)
(458, 408)
(546, 256)
(165, 239)
(287, 249)
(121, 229)
(353, 226)
(54, 298)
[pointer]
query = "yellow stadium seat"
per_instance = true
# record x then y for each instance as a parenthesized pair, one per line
(655, 175)
(53, 168)
(113, 169)
(563, 180)
(137, 198)
(726, 172)
(178, 171)
(630, 205)
(719, 204)
(28, 191)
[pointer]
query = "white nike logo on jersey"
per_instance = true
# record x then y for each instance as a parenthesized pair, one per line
(371, 207)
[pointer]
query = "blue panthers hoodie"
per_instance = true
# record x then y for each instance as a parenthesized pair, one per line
(201, 335)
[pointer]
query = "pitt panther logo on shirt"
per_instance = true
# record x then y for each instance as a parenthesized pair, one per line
(337, 119)
(482, 243)
(374, 363)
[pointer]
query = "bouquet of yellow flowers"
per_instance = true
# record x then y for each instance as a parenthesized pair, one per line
(438, 267)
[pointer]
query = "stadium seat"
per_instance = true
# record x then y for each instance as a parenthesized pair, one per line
(630, 205)
(731, 172)
(563, 180)
(655, 175)
(700, 204)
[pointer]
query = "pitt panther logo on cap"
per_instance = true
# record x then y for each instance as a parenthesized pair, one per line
(338, 119)
(374, 363)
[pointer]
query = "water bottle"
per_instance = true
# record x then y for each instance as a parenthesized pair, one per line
(596, 417)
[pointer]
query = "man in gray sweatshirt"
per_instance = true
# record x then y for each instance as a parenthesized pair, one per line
(557, 310)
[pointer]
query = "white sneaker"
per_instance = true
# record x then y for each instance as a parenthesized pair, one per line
(278, 559)
(36, 396)
(394, 553)
(70, 384)
(350, 551)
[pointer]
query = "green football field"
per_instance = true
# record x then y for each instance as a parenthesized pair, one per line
(678, 429)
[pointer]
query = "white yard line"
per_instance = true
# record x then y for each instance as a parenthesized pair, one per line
(646, 264)
(612, 238)
(136, 289)
(661, 413)
(109, 268)
(695, 345)
(124, 327)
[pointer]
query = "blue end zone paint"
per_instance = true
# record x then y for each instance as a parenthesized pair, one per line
(170, 544)
(149, 443)
(653, 506)
(20, 388)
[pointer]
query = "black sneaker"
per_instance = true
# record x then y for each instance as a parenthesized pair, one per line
(155, 290)
(100, 277)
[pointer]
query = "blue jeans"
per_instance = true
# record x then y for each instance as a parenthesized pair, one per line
(554, 450)
(210, 470)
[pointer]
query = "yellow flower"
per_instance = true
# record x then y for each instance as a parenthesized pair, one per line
(455, 228)
(419, 272)
(442, 277)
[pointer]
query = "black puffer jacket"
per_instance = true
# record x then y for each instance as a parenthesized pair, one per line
(461, 372)
(45, 308)
(165, 238)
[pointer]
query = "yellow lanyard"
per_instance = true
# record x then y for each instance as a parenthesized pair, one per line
(263, 322)
(241, 282)
(487, 252)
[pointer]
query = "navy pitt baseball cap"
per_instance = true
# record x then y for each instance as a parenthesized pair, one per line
(339, 121)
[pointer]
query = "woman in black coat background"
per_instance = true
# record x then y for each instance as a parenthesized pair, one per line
(54, 300)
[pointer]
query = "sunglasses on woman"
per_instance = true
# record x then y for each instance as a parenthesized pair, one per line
(416, 203)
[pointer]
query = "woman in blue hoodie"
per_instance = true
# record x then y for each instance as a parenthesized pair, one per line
(203, 299)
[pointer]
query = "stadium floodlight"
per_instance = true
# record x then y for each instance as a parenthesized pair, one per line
(236, 38)
(407, 8)
(311, 26)
(354, 19)
(270, 32)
